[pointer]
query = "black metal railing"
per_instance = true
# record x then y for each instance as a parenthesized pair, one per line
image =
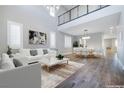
(77, 12)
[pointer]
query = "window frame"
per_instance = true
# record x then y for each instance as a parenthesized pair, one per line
(9, 23)
(66, 41)
(51, 42)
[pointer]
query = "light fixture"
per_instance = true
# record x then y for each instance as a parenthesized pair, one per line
(111, 29)
(85, 36)
(52, 9)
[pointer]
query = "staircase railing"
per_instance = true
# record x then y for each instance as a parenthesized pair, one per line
(77, 12)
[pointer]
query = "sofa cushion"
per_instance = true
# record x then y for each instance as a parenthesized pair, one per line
(34, 58)
(33, 52)
(7, 66)
(46, 55)
(21, 60)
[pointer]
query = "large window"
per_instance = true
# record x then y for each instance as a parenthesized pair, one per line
(53, 40)
(68, 42)
(15, 35)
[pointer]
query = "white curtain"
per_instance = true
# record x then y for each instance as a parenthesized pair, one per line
(53, 40)
(68, 41)
(15, 35)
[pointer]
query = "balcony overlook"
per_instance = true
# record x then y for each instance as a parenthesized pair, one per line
(77, 12)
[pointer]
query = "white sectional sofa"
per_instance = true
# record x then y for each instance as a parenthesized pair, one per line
(25, 56)
(21, 77)
(11, 76)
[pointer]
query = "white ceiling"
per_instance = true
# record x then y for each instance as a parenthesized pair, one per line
(99, 25)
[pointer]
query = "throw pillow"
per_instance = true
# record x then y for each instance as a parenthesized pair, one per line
(7, 63)
(17, 63)
(40, 51)
(45, 51)
(33, 52)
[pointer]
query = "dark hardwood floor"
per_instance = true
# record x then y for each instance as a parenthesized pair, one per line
(96, 73)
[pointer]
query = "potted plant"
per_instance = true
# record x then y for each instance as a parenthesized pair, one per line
(60, 57)
(75, 44)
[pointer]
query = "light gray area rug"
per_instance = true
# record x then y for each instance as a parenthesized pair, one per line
(58, 74)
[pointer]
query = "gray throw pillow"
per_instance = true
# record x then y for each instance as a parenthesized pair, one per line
(17, 63)
(33, 52)
(45, 51)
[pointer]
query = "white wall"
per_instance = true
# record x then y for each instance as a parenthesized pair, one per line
(33, 18)
(110, 43)
(61, 43)
(95, 41)
(120, 47)
(61, 10)
(120, 38)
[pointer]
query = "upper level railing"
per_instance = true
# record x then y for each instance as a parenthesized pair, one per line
(77, 12)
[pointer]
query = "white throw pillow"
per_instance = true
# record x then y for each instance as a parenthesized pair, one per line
(6, 63)
(40, 51)
(25, 52)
